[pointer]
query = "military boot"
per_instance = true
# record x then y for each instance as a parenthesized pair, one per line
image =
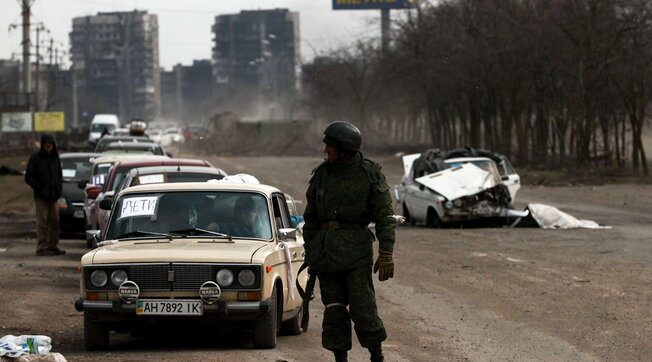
(377, 354)
(340, 356)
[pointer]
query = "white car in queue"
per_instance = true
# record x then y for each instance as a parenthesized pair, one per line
(210, 253)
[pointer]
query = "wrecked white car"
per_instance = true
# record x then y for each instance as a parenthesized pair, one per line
(444, 187)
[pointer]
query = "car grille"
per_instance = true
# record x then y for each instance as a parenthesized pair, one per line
(190, 276)
(157, 276)
(173, 276)
(150, 277)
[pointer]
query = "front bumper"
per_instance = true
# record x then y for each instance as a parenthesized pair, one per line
(221, 307)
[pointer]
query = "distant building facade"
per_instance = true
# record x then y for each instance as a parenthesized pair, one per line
(116, 64)
(186, 92)
(257, 53)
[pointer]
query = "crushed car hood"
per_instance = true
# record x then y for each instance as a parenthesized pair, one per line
(453, 183)
(179, 250)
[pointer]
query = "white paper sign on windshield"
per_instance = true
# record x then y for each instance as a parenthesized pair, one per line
(99, 179)
(69, 172)
(138, 206)
(151, 179)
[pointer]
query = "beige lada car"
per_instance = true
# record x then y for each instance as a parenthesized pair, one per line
(211, 253)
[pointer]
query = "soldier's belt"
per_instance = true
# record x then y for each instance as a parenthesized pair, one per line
(338, 225)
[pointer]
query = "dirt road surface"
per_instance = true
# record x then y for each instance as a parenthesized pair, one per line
(483, 294)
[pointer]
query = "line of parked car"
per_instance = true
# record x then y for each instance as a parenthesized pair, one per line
(178, 241)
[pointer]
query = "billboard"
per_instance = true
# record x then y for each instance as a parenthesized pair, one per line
(372, 4)
(49, 122)
(17, 122)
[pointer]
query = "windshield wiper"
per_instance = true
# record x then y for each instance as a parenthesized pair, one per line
(144, 233)
(194, 231)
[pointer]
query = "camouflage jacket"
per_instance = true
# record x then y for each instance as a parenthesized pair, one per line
(342, 199)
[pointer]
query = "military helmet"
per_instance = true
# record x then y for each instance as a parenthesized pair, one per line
(343, 136)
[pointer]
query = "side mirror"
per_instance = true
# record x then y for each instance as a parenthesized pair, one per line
(92, 191)
(504, 177)
(93, 236)
(287, 234)
(169, 154)
(106, 204)
(82, 184)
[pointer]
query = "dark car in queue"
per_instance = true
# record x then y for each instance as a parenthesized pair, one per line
(75, 167)
(143, 148)
(117, 173)
(169, 174)
(105, 141)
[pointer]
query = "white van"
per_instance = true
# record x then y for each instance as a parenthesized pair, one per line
(99, 123)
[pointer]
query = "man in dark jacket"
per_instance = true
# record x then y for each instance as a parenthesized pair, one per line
(44, 176)
(345, 194)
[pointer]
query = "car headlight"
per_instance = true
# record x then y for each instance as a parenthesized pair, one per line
(224, 277)
(62, 203)
(246, 277)
(99, 278)
(448, 205)
(118, 277)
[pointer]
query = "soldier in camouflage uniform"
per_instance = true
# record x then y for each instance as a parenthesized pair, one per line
(345, 194)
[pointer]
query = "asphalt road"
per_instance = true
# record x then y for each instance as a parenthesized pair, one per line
(479, 294)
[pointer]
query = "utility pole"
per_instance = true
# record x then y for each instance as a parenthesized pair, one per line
(384, 29)
(39, 29)
(26, 45)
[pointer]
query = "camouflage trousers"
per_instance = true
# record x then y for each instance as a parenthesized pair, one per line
(353, 288)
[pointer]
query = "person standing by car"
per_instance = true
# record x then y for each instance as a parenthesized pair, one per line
(44, 176)
(345, 194)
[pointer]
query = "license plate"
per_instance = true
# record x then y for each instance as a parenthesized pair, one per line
(78, 214)
(169, 307)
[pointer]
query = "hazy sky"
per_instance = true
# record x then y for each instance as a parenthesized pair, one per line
(185, 25)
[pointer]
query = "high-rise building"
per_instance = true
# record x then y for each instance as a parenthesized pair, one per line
(257, 53)
(186, 92)
(116, 64)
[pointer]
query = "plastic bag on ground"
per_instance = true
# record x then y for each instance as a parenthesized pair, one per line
(15, 346)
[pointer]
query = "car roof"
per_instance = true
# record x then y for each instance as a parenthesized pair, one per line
(467, 159)
(164, 162)
(79, 155)
(117, 158)
(120, 144)
(148, 170)
(202, 186)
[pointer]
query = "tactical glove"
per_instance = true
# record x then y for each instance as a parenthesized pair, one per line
(384, 263)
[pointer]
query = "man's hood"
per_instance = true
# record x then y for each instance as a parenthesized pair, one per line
(45, 138)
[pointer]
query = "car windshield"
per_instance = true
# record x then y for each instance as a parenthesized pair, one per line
(76, 169)
(236, 214)
(99, 127)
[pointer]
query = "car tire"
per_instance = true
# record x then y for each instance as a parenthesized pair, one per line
(266, 327)
(432, 219)
(292, 327)
(96, 334)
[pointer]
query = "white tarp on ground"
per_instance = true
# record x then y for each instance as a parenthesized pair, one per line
(550, 217)
(453, 183)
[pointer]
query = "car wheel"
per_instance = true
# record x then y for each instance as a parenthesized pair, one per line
(292, 327)
(432, 219)
(266, 327)
(96, 334)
